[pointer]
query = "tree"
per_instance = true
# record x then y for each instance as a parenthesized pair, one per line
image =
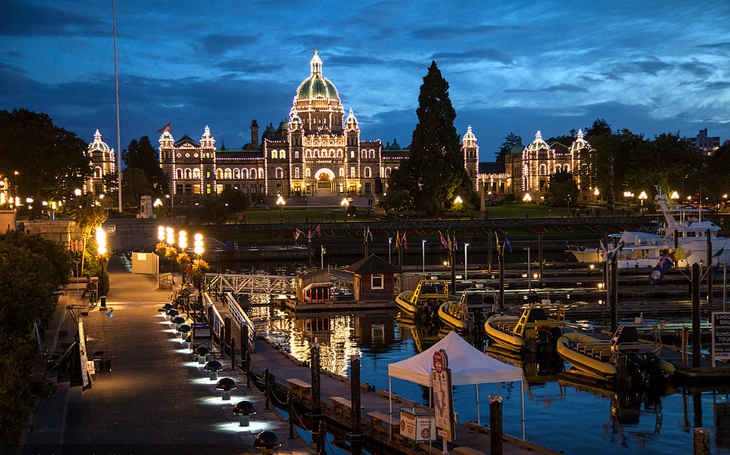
(235, 200)
(50, 161)
(599, 128)
(435, 166)
(143, 156)
(667, 158)
(562, 189)
(134, 186)
(510, 141)
(89, 215)
(32, 268)
(398, 200)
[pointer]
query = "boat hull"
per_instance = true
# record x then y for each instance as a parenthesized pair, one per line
(449, 319)
(502, 338)
(583, 362)
(403, 302)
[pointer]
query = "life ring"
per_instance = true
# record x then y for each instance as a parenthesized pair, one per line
(544, 327)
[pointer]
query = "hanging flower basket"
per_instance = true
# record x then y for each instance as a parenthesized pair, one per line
(200, 267)
(183, 260)
(171, 253)
(160, 249)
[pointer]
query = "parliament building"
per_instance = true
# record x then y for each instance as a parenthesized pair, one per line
(318, 154)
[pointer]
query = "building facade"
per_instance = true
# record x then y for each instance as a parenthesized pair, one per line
(103, 162)
(707, 145)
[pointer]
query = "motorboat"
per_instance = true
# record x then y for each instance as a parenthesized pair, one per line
(683, 227)
(512, 332)
(427, 297)
(600, 358)
(470, 310)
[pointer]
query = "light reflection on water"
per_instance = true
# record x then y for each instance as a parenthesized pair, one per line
(561, 413)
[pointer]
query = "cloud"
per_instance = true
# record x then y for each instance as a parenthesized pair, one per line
(570, 88)
(220, 44)
(445, 32)
(21, 18)
(718, 85)
(474, 55)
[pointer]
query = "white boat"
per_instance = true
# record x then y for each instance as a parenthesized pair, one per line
(642, 249)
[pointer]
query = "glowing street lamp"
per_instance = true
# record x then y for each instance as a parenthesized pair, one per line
(345, 203)
(198, 244)
(101, 244)
(527, 198)
(643, 196)
(280, 202)
(182, 240)
(675, 196)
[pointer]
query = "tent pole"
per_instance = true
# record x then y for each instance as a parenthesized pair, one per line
(479, 416)
(390, 415)
(522, 402)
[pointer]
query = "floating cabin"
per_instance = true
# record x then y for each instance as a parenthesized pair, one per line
(315, 287)
(373, 278)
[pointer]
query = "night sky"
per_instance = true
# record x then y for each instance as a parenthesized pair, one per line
(554, 66)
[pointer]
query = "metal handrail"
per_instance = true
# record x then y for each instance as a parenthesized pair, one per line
(241, 318)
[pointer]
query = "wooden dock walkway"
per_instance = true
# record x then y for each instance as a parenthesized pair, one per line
(292, 374)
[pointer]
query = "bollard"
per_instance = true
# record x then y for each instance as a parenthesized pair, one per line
(266, 388)
(322, 444)
(292, 432)
(355, 434)
(495, 423)
(701, 441)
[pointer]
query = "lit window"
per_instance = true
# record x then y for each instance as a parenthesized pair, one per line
(196, 175)
(282, 154)
(376, 281)
(274, 154)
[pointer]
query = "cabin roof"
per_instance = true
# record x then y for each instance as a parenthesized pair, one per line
(372, 264)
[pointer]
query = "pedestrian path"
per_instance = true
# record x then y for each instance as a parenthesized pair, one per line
(155, 399)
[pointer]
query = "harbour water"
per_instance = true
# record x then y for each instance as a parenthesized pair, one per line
(562, 411)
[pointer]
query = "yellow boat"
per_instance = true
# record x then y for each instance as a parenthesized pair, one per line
(512, 332)
(470, 310)
(599, 358)
(428, 293)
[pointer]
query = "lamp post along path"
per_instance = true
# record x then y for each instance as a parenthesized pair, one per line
(101, 244)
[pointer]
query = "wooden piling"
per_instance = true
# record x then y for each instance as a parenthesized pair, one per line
(696, 347)
(355, 414)
(495, 423)
(701, 441)
(314, 368)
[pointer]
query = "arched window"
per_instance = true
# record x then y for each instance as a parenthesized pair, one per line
(253, 173)
(387, 172)
(307, 153)
(372, 153)
(557, 168)
(296, 155)
(367, 173)
(274, 154)
(97, 172)
(244, 173)
(543, 169)
(566, 168)
(307, 173)
(352, 172)
(282, 154)
(196, 173)
(178, 173)
(187, 173)
(342, 172)
(352, 154)
(236, 174)
(339, 153)
(279, 172)
(219, 173)
(331, 153)
(227, 174)
(261, 173)
(296, 172)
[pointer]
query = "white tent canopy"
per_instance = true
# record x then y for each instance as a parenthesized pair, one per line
(468, 366)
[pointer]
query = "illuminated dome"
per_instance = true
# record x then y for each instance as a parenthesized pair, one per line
(316, 86)
(98, 145)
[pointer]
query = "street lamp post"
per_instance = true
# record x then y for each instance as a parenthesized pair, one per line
(345, 203)
(390, 241)
(423, 253)
(280, 202)
(170, 239)
(466, 260)
(101, 244)
(643, 196)
(198, 250)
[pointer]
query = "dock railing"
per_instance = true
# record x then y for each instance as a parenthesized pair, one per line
(241, 319)
(216, 321)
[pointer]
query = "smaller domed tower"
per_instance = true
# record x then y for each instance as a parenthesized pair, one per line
(470, 149)
(102, 161)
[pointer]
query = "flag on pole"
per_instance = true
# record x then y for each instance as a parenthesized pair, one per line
(662, 267)
(507, 244)
(443, 241)
(679, 253)
(297, 233)
(603, 252)
(716, 260)
(319, 234)
(397, 239)
(405, 242)
(370, 234)
(456, 245)
(110, 313)
(496, 237)
(165, 128)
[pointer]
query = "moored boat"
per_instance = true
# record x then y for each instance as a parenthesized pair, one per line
(427, 297)
(470, 310)
(683, 227)
(599, 358)
(512, 332)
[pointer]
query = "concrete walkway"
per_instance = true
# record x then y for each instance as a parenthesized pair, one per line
(155, 399)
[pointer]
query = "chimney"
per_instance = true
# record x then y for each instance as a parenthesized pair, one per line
(255, 134)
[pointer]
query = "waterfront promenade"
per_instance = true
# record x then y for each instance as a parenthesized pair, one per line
(155, 399)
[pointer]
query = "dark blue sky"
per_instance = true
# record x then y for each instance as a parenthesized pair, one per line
(649, 66)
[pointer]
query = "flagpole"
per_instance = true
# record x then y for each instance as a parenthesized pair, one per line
(116, 83)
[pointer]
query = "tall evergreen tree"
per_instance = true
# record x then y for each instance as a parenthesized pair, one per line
(510, 141)
(434, 172)
(143, 156)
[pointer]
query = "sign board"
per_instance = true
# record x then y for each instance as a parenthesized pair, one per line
(415, 426)
(720, 335)
(443, 399)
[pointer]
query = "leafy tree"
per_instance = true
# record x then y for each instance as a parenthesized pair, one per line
(435, 166)
(143, 156)
(599, 128)
(89, 216)
(565, 140)
(50, 161)
(134, 186)
(510, 141)
(562, 188)
(235, 200)
(32, 268)
(397, 200)
(618, 145)
(666, 158)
